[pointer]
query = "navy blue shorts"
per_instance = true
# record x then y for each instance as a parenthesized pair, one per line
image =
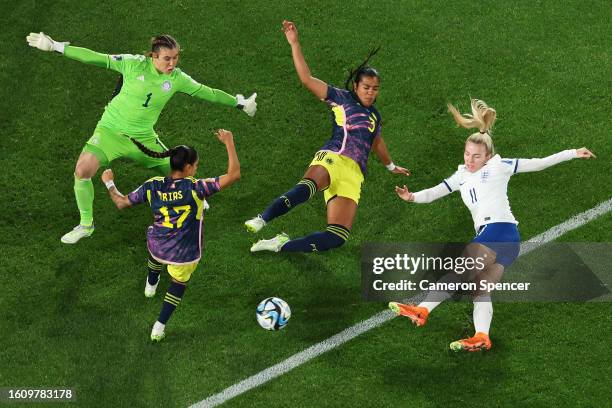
(501, 237)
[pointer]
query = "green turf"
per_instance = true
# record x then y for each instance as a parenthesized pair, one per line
(75, 315)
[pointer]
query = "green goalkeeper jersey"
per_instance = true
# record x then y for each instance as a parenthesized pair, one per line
(145, 91)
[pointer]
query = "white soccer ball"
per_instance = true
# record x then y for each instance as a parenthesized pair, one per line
(273, 313)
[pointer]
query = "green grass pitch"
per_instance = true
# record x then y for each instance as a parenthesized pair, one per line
(75, 316)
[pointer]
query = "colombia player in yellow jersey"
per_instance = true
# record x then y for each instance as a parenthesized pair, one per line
(175, 238)
(339, 167)
(148, 84)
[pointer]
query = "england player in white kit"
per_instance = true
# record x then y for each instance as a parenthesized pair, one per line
(483, 183)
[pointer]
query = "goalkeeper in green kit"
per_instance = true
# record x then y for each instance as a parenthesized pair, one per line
(148, 84)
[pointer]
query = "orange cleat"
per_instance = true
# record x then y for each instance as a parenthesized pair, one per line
(418, 315)
(479, 342)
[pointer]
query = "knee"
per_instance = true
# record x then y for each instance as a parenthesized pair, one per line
(80, 172)
(86, 166)
(178, 282)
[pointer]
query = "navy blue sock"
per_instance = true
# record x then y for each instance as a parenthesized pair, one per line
(154, 268)
(299, 194)
(171, 301)
(334, 236)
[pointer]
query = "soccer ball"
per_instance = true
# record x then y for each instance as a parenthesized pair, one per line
(273, 313)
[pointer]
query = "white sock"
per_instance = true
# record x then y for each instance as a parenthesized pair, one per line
(158, 327)
(483, 314)
(433, 299)
(429, 305)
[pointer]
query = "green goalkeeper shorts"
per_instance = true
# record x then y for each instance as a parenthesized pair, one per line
(108, 145)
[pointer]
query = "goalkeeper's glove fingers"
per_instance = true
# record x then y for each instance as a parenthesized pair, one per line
(45, 43)
(249, 106)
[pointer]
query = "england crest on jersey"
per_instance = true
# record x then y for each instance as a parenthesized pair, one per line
(166, 86)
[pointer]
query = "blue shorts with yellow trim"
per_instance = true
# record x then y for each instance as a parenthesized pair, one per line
(344, 174)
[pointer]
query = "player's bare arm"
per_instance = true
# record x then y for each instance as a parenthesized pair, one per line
(233, 164)
(119, 199)
(314, 85)
(380, 148)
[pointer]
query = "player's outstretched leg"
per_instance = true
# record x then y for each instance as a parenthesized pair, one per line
(333, 237)
(273, 244)
(173, 297)
(417, 314)
(154, 269)
(299, 194)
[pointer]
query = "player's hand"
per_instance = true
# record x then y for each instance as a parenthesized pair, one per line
(224, 136)
(290, 32)
(45, 43)
(249, 106)
(41, 41)
(404, 194)
(107, 175)
(584, 153)
(401, 170)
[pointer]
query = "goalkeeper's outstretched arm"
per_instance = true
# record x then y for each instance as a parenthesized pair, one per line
(45, 43)
(200, 91)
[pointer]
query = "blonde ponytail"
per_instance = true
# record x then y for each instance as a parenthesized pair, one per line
(482, 118)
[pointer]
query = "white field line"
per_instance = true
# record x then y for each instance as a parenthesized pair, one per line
(380, 318)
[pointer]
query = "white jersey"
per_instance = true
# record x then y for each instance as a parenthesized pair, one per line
(485, 192)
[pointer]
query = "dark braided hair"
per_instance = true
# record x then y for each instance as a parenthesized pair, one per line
(355, 75)
(118, 86)
(162, 41)
(180, 156)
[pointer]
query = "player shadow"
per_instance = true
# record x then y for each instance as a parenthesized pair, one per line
(68, 283)
(425, 363)
(470, 375)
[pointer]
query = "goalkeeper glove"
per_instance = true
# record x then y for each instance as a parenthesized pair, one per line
(45, 43)
(249, 106)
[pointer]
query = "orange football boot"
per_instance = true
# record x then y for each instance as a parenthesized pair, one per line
(418, 315)
(479, 342)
